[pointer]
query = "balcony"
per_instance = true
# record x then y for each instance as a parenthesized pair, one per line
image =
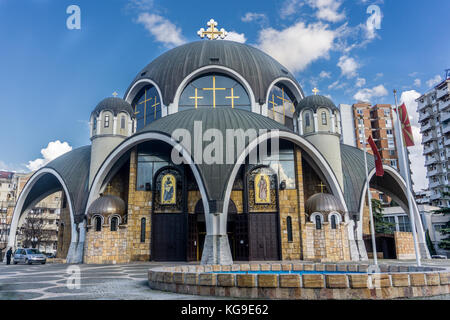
(422, 105)
(435, 172)
(435, 184)
(445, 116)
(444, 105)
(447, 141)
(424, 116)
(436, 196)
(428, 138)
(431, 161)
(429, 149)
(442, 92)
(426, 127)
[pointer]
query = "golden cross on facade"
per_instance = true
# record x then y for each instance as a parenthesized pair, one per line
(232, 97)
(196, 98)
(315, 91)
(154, 106)
(321, 185)
(115, 94)
(284, 100)
(212, 33)
(214, 89)
(135, 110)
(273, 105)
(145, 106)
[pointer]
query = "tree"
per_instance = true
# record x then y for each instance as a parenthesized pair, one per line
(445, 231)
(34, 231)
(381, 225)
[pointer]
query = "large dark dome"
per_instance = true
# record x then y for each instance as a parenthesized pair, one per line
(172, 67)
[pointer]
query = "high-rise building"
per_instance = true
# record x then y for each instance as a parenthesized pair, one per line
(378, 123)
(434, 118)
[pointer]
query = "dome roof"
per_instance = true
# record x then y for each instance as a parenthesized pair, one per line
(315, 102)
(107, 205)
(256, 67)
(115, 105)
(324, 203)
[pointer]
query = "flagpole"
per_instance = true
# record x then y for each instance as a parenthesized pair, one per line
(369, 195)
(408, 184)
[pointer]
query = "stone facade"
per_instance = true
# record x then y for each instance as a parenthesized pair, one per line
(404, 245)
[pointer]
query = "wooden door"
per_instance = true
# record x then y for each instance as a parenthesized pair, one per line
(241, 237)
(263, 236)
(193, 243)
(169, 241)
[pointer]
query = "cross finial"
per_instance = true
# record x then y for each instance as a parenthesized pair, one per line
(212, 33)
(115, 94)
(321, 185)
(315, 91)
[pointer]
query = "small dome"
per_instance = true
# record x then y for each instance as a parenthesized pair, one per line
(115, 105)
(107, 205)
(324, 203)
(315, 102)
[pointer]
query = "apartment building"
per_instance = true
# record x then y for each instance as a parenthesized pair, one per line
(378, 123)
(434, 118)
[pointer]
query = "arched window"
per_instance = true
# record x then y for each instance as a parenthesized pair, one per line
(324, 117)
(281, 105)
(307, 120)
(122, 122)
(333, 222)
(289, 229)
(95, 125)
(107, 121)
(98, 224)
(114, 223)
(214, 90)
(318, 222)
(147, 106)
(143, 223)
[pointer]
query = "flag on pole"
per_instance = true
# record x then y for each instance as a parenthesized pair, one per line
(406, 126)
(376, 154)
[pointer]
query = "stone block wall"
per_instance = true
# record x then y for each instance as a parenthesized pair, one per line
(290, 250)
(404, 245)
(106, 246)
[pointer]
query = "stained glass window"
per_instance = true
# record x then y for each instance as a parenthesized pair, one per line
(214, 90)
(281, 105)
(147, 106)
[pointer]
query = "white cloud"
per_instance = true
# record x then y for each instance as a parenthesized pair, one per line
(234, 36)
(327, 10)
(53, 151)
(289, 7)
(140, 4)
(360, 82)
(418, 172)
(348, 66)
(417, 82)
(253, 16)
(367, 94)
(162, 29)
(307, 43)
(324, 74)
(337, 85)
(434, 81)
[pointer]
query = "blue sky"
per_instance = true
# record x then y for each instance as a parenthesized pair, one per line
(52, 78)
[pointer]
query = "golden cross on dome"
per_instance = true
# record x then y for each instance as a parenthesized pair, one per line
(214, 89)
(145, 106)
(212, 33)
(196, 98)
(232, 97)
(321, 185)
(154, 106)
(115, 94)
(315, 91)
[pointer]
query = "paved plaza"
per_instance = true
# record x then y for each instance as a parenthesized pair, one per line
(99, 282)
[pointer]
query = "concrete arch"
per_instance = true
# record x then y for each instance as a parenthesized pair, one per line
(134, 90)
(291, 85)
(20, 208)
(124, 147)
(400, 199)
(220, 69)
(297, 140)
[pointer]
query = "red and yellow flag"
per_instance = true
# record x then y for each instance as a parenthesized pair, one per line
(376, 154)
(406, 126)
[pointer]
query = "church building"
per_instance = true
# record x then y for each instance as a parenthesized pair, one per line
(159, 183)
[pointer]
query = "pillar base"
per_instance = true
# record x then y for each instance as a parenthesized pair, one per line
(216, 250)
